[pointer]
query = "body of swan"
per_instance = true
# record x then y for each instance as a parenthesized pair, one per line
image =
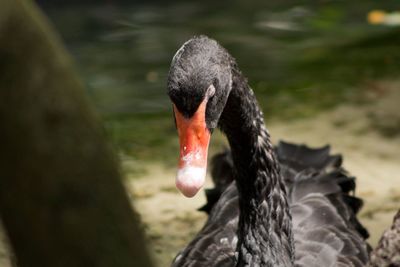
(326, 231)
(251, 223)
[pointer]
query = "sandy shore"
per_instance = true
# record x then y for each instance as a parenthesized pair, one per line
(172, 220)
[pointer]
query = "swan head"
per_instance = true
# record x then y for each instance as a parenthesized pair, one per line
(199, 83)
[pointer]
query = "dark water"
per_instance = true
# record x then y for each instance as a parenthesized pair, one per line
(299, 57)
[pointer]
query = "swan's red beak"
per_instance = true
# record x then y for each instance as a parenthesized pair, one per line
(194, 138)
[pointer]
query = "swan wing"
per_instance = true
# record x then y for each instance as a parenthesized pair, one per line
(326, 229)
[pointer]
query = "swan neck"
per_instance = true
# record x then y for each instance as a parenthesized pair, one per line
(265, 230)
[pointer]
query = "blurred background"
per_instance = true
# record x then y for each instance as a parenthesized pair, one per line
(323, 71)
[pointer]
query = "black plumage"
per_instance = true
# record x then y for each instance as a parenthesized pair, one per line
(287, 206)
(303, 179)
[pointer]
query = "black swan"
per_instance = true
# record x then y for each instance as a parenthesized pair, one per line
(254, 222)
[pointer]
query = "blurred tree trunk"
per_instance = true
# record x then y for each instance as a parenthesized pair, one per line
(61, 198)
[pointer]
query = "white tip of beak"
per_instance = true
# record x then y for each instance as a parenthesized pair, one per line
(189, 180)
